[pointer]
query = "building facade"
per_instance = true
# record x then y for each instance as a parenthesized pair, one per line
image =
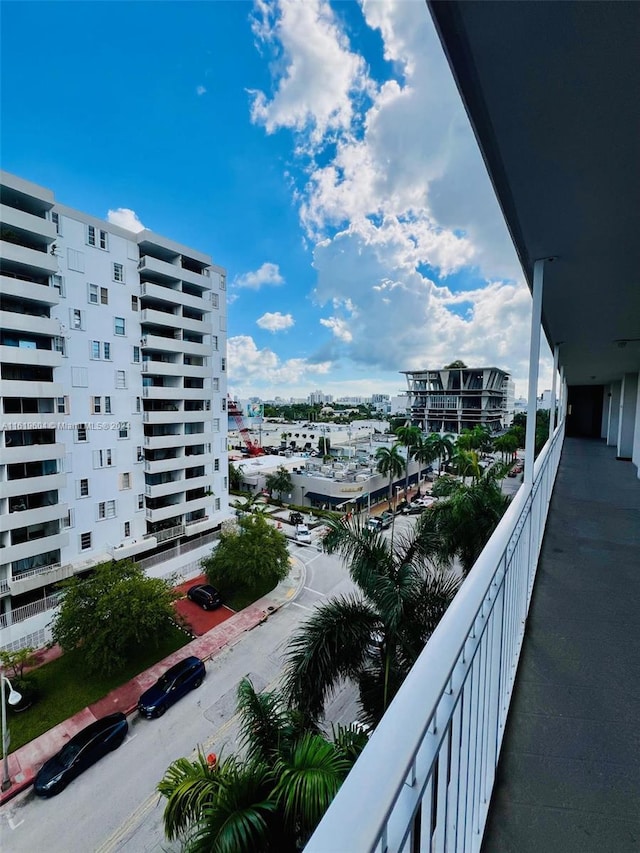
(113, 350)
(453, 399)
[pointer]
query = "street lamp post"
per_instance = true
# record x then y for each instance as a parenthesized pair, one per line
(14, 698)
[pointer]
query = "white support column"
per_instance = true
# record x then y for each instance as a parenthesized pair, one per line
(534, 364)
(552, 407)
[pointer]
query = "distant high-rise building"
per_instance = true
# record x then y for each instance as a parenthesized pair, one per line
(452, 399)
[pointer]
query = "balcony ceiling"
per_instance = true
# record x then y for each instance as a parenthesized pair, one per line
(552, 91)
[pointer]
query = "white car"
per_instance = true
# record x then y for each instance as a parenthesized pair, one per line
(303, 533)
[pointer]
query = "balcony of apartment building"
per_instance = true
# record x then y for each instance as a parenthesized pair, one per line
(17, 283)
(28, 349)
(516, 730)
(23, 315)
(29, 381)
(30, 445)
(34, 411)
(172, 292)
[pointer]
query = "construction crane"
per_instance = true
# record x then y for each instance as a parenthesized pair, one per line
(235, 412)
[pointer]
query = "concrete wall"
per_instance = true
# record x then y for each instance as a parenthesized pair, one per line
(614, 414)
(635, 456)
(627, 419)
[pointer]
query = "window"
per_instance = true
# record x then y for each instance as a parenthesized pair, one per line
(95, 349)
(121, 379)
(216, 424)
(75, 260)
(79, 377)
(107, 351)
(214, 342)
(139, 454)
(62, 405)
(214, 300)
(97, 237)
(127, 529)
(107, 406)
(118, 272)
(57, 282)
(125, 481)
(68, 520)
(140, 501)
(77, 318)
(123, 430)
(94, 293)
(216, 383)
(119, 326)
(106, 509)
(104, 295)
(217, 503)
(216, 464)
(136, 355)
(223, 404)
(85, 541)
(138, 404)
(83, 488)
(134, 303)
(96, 405)
(223, 282)
(55, 218)
(225, 483)
(223, 364)
(102, 458)
(81, 432)
(60, 345)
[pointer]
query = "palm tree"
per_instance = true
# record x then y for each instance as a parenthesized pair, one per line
(391, 462)
(467, 463)
(375, 635)
(272, 799)
(442, 446)
(411, 438)
(463, 522)
(507, 444)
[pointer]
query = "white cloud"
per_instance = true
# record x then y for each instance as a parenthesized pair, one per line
(267, 274)
(252, 368)
(319, 73)
(275, 322)
(124, 217)
(402, 189)
(339, 328)
(200, 90)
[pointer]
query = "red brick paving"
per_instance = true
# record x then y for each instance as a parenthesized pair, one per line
(199, 621)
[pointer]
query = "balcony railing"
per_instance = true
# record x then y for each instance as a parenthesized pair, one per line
(29, 610)
(424, 780)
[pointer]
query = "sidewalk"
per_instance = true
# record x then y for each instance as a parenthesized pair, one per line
(25, 762)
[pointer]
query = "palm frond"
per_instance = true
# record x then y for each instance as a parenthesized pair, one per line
(264, 722)
(332, 644)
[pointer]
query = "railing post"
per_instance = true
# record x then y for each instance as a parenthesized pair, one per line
(552, 408)
(534, 361)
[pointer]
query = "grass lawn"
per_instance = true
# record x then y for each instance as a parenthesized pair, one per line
(243, 598)
(65, 688)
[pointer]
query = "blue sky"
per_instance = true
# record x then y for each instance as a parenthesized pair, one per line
(318, 151)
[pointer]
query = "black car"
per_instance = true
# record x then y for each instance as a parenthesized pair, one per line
(205, 595)
(83, 750)
(173, 685)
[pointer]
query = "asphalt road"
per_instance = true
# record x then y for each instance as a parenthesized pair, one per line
(112, 806)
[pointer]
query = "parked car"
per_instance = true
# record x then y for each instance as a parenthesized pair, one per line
(205, 595)
(295, 517)
(414, 508)
(83, 750)
(303, 534)
(173, 685)
(386, 518)
(374, 524)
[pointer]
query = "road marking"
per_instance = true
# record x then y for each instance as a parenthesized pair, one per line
(13, 824)
(129, 738)
(295, 604)
(314, 591)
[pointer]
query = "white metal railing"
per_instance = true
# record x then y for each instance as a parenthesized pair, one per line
(424, 781)
(28, 610)
(31, 573)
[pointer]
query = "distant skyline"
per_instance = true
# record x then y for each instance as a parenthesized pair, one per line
(319, 151)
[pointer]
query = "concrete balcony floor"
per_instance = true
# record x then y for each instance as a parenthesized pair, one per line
(569, 775)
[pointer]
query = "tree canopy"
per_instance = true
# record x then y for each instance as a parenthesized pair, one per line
(112, 613)
(455, 364)
(253, 553)
(280, 481)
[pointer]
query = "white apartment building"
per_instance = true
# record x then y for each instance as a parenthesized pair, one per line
(452, 399)
(113, 398)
